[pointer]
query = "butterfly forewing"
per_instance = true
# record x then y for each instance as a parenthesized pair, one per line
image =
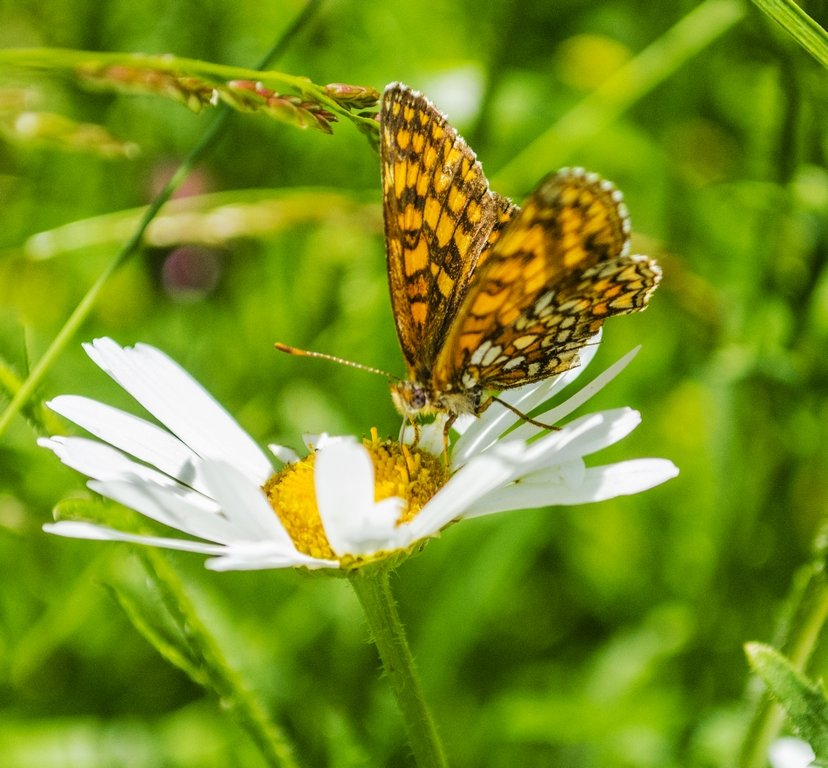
(441, 219)
(557, 271)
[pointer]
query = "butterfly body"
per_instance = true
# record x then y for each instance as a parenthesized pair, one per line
(414, 399)
(488, 296)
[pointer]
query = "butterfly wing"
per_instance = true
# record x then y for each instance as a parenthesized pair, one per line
(441, 220)
(557, 272)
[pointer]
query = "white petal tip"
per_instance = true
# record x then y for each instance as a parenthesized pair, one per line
(790, 752)
(283, 453)
(631, 477)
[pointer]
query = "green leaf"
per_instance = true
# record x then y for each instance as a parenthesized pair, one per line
(195, 651)
(803, 700)
(799, 25)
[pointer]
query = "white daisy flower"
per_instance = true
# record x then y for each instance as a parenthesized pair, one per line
(347, 502)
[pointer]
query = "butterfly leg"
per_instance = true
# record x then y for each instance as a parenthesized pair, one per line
(523, 415)
(449, 421)
(416, 426)
(416, 434)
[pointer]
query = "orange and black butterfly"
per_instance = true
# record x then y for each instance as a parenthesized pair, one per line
(486, 295)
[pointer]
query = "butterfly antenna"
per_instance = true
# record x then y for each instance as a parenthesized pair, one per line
(332, 358)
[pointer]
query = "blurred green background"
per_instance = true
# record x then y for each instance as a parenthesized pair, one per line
(607, 635)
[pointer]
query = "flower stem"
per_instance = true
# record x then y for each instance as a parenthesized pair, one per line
(373, 588)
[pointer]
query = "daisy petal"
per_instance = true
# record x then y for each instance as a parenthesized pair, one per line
(354, 523)
(283, 453)
(135, 436)
(256, 556)
(161, 386)
(790, 752)
(77, 529)
(100, 461)
(540, 489)
(621, 479)
(431, 435)
(582, 437)
(174, 506)
(594, 484)
(244, 504)
(480, 476)
(554, 415)
(242, 557)
(463, 423)
(516, 496)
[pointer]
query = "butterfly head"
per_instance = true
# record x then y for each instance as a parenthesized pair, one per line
(412, 399)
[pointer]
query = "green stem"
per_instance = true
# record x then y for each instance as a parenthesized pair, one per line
(68, 59)
(373, 588)
(84, 308)
(808, 612)
(799, 25)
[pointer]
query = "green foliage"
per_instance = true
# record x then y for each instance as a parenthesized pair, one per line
(604, 636)
(803, 701)
(799, 25)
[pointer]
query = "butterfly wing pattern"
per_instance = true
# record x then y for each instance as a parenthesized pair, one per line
(487, 296)
(441, 220)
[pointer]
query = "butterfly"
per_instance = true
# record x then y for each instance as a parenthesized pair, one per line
(488, 296)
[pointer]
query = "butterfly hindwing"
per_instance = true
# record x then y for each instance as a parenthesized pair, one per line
(557, 272)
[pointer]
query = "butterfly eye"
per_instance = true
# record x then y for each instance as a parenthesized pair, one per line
(418, 398)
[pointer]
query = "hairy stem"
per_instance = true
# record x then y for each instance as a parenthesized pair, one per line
(373, 588)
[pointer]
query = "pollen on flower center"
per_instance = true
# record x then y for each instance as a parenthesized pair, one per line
(399, 470)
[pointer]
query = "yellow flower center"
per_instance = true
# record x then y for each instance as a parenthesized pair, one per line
(399, 470)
